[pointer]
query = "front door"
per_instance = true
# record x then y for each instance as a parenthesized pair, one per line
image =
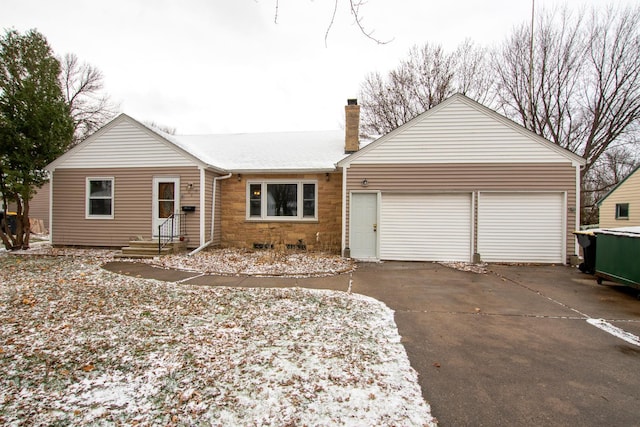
(166, 200)
(364, 226)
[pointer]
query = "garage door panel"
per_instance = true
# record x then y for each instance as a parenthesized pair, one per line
(521, 227)
(425, 227)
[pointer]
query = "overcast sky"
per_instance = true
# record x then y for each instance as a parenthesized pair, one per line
(222, 66)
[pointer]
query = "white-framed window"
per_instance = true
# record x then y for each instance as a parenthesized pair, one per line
(282, 200)
(100, 198)
(622, 210)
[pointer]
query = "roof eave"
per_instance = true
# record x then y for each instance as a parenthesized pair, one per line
(599, 202)
(283, 171)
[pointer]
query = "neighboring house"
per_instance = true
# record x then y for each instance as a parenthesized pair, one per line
(458, 183)
(38, 206)
(620, 207)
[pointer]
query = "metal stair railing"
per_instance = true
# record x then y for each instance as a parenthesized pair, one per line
(174, 226)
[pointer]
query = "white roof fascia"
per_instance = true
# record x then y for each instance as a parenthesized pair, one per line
(69, 153)
(574, 158)
(283, 171)
(121, 118)
(199, 162)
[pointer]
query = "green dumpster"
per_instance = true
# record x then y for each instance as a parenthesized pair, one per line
(618, 256)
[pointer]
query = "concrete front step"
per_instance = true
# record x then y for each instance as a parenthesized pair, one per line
(149, 249)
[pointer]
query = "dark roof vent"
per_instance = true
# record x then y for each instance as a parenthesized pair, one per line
(352, 101)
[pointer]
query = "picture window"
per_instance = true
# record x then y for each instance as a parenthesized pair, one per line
(282, 200)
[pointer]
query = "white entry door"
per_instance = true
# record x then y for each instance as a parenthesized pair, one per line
(166, 201)
(364, 226)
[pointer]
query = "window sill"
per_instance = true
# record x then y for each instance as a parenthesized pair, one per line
(284, 220)
(98, 217)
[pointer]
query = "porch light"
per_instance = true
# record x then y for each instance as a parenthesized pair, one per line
(239, 177)
(365, 182)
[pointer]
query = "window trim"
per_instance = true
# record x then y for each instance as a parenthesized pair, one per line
(88, 197)
(618, 206)
(263, 200)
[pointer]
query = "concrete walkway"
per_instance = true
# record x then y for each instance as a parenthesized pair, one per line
(511, 347)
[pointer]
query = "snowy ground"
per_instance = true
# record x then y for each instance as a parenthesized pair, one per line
(258, 263)
(82, 346)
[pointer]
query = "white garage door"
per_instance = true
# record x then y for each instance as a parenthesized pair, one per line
(425, 227)
(521, 227)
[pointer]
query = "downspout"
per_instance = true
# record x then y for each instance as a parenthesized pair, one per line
(51, 207)
(213, 213)
(344, 210)
(576, 248)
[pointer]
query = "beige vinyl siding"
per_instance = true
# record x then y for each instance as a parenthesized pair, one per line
(459, 133)
(209, 176)
(39, 205)
(627, 192)
(132, 206)
(458, 177)
(125, 144)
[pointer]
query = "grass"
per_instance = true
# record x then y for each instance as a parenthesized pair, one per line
(82, 346)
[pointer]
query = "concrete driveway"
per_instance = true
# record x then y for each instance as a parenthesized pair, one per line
(509, 348)
(513, 347)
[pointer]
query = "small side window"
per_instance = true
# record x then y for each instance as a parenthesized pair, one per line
(622, 210)
(99, 198)
(255, 200)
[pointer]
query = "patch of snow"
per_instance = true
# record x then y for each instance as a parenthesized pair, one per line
(466, 266)
(83, 346)
(257, 263)
(319, 150)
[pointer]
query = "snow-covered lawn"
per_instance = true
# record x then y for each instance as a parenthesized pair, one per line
(82, 346)
(258, 263)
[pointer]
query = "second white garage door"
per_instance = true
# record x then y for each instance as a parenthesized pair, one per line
(521, 227)
(425, 227)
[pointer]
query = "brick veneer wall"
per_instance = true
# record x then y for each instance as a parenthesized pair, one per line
(237, 231)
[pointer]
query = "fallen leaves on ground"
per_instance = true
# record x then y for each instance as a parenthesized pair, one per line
(466, 266)
(257, 263)
(228, 261)
(91, 347)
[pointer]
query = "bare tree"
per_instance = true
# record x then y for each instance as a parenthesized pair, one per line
(355, 7)
(576, 82)
(612, 167)
(584, 92)
(542, 96)
(163, 128)
(83, 86)
(425, 78)
(472, 72)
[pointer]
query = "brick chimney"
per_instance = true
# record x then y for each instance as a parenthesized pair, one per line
(351, 126)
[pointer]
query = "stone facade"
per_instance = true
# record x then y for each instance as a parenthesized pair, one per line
(323, 234)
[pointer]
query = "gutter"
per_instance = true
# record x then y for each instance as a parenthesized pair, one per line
(213, 213)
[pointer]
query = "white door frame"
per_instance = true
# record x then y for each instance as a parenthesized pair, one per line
(376, 254)
(156, 221)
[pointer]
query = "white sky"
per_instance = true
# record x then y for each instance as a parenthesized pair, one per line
(220, 66)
